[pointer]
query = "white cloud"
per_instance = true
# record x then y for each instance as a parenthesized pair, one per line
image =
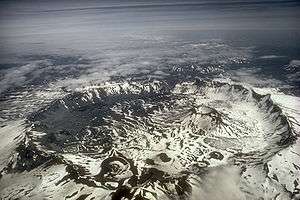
(221, 183)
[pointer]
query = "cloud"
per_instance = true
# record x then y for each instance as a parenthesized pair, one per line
(253, 77)
(39, 71)
(16, 76)
(294, 65)
(221, 183)
(270, 57)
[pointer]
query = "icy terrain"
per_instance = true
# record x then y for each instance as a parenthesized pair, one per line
(154, 140)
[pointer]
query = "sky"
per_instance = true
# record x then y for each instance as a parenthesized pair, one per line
(36, 25)
(67, 38)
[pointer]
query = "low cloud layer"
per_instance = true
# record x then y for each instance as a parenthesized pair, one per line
(221, 183)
